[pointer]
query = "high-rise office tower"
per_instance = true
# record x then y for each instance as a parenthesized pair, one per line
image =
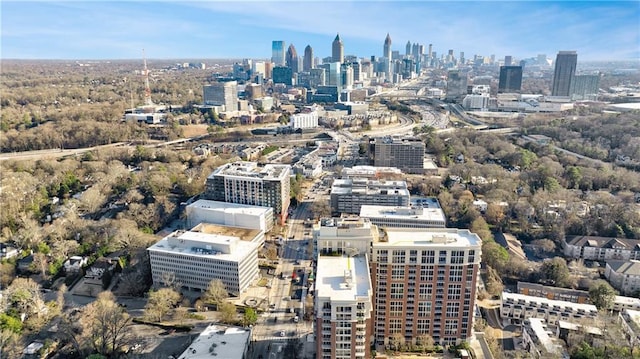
(222, 94)
(308, 59)
(424, 282)
(450, 56)
(277, 53)
(346, 76)
(337, 50)
(461, 60)
(456, 84)
(282, 75)
(292, 59)
(507, 60)
(565, 69)
(510, 78)
(408, 48)
(386, 53)
(585, 87)
(430, 51)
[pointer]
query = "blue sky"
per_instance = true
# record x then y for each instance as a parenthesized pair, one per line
(214, 29)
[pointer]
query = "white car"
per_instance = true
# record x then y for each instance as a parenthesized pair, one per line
(282, 333)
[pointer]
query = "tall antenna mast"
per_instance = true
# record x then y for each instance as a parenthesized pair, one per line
(147, 89)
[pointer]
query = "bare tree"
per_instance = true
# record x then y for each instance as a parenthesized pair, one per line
(105, 325)
(227, 312)
(216, 292)
(160, 303)
(169, 280)
(10, 346)
(24, 294)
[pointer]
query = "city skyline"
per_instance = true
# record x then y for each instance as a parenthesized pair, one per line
(203, 29)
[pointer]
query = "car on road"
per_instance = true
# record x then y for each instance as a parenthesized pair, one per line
(282, 333)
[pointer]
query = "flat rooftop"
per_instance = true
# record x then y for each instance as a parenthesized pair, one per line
(415, 213)
(229, 207)
(550, 302)
(244, 234)
(218, 342)
(363, 186)
(331, 281)
(223, 247)
(450, 237)
(252, 170)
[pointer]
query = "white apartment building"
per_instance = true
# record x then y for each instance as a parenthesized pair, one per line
(197, 257)
(630, 322)
(624, 275)
(601, 248)
(539, 341)
(425, 283)
(304, 120)
(348, 195)
(517, 307)
(349, 235)
(343, 307)
(248, 183)
(229, 214)
(405, 217)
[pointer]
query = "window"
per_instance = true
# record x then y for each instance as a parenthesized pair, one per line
(450, 327)
(413, 256)
(395, 309)
(397, 290)
(424, 326)
(383, 256)
(426, 274)
(395, 326)
(454, 291)
(424, 308)
(472, 256)
(453, 310)
(428, 257)
(399, 256)
(425, 291)
(397, 272)
(457, 257)
(442, 257)
(455, 274)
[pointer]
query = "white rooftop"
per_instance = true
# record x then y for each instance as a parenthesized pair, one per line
(415, 212)
(218, 246)
(539, 328)
(550, 302)
(450, 237)
(332, 280)
(229, 207)
(252, 170)
(218, 342)
(363, 186)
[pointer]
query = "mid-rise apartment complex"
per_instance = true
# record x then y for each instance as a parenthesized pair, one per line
(517, 307)
(424, 282)
(601, 248)
(212, 252)
(624, 275)
(248, 183)
(343, 307)
(405, 217)
(407, 154)
(348, 195)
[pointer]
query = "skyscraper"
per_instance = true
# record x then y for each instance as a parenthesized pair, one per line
(408, 49)
(337, 50)
(308, 59)
(277, 53)
(386, 53)
(292, 59)
(564, 72)
(510, 79)
(222, 94)
(508, 60)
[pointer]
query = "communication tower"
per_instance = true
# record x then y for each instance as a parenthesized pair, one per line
(147, 88)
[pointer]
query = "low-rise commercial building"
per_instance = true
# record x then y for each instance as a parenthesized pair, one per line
(349, 195)
(343, 307)
(229, 214)
(208, 252)
(372, 172)
(517, 307)
(219, 342)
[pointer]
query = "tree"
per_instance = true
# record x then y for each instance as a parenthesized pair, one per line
(602, 294)
(495, 213)
(227, 312)
(556, 271)
(397, 341)
(494, 255)
(160, 303)
(106, 326)
(216, 292)
(250, 317)
(425, 341)
(10, 346)
(24, 295)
